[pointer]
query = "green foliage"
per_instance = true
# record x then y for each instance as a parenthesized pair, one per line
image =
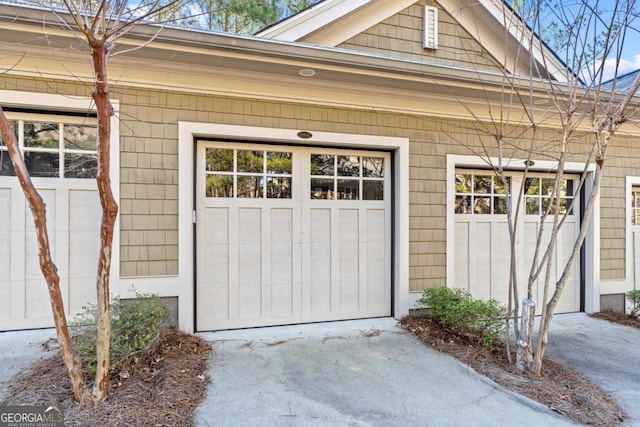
(634, 297)
(134, 325)
(456, 310)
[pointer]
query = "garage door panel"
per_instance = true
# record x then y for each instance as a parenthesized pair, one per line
(481, 279)
(5, 254)
(462, 254)
(500, 261)
(303, 256)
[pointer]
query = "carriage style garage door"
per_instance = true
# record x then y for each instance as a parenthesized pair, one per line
(60, 154)
(291, 235)
(482, 250)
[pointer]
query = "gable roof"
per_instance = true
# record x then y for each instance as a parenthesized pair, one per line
(490, 22)
(623, 83)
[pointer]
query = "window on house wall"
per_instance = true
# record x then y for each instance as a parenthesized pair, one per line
(538, 195)
(430, 27)
(479, 194)
(53, 146)
(347, 177)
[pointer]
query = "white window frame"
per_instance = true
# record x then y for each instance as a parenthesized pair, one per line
(592, 240)
(630, 281)
(188, 132)
(66, 103)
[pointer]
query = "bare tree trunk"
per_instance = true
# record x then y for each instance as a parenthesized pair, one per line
(100, 54)
(49, 269)
(524, 352)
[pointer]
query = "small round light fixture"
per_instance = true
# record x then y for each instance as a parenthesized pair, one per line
(307, 72)
(304, 134)
(529, 163)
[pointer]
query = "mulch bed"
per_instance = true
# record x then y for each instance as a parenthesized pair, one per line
(560, 388)
(160, 387)
(620, 318)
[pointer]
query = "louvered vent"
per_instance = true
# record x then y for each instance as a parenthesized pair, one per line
(430, 27)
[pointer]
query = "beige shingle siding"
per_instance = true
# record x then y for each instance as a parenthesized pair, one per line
(402, 36)
(149, 175)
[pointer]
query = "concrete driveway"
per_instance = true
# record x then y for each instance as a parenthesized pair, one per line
(606, 353)
(355, 373)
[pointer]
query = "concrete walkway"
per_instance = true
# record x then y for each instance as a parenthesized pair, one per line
(606, 353)
(355, 373)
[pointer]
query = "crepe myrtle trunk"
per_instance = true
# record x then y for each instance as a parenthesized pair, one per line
(49, 269)
(100, 53)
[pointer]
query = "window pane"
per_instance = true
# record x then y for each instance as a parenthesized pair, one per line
(41, 134)
(637, 199)
(373, 167)
(499, 205)
(463, 205)
(250, 186)
(463, 183)
(637, 217)
(499, 187)
(348, 166)
(532, 186)
(373, 190)
(348, 189)
(532, 205)
(566, 190)
(42, 164)
(80, 137)
(482, 205)
(322, 164)
(482, 184)
(219, 186)
(13, 124)
(279, 187)
(219, 160)
(6, 168)
(80, 165)
(322, 188)
(547, 186)
(278, 163)
(250, 161)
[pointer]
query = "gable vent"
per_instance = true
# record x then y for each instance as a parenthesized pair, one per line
(430, 27)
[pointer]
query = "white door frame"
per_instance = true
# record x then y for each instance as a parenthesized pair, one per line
(592, 240)
(188, 132)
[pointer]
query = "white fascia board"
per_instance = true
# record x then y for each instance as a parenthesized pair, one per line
(314, 18)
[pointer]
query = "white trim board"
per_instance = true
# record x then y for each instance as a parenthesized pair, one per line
(592, 240)
(189, 131)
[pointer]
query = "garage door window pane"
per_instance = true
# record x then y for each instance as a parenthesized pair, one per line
(6, 168)
(42, 164)
(373, 190)
(322, 188)
(322, 164)
(41, 134)
(219, 160)
(482, 205)
(80, 137)
(463, 205)
(499, 205)
(482, 184)
(348, 189)
(463, 183)
(373, 167)
(80, 165)
(250, 161)
(219, 186)
(348, 166)
(532, 205)
(279, 188)
(250, 187)
(279, 163)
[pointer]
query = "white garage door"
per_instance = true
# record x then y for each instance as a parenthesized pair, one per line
(291, 235)
(482, 249)
(60, 153)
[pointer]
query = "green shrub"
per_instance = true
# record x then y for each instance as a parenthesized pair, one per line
(634, 297)
(135, 324)
(456, 310)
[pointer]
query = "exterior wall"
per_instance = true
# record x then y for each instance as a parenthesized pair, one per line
(149, 170)
(402, 36)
